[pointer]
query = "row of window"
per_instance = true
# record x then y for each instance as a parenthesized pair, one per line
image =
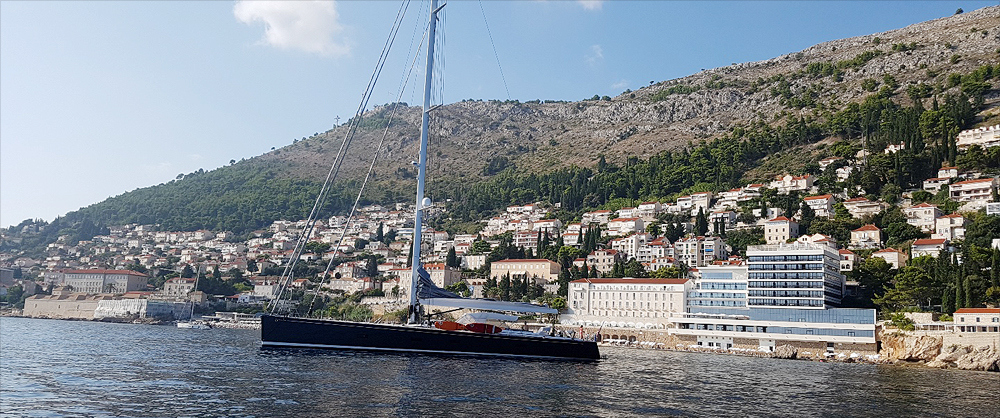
(771, 258)
(810, 266)
(634, 296)
(717, 295)
(723, 286)
(785, 302)
(785, 285)
(787, 293)
(724, 303)
(802, 275)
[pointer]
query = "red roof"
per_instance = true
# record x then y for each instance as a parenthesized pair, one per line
(523, 260)
(102, 271)
(856, 199)
(868, 227)
(624, 219)
(929, 241)
(938, 179)
(780, 219)
(888, 250)
(825, 196)
(973, 181)
(842, 251)
(925, 205)
(632, 281)
(979, 310)
(954, 215)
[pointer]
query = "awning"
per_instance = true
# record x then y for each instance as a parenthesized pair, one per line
(488, 305)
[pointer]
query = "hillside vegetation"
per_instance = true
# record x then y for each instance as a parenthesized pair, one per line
(709, 131)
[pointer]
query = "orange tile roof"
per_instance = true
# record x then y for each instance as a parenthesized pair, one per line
(929, 241)
(868, 227)
(824, 196)
(978, 310)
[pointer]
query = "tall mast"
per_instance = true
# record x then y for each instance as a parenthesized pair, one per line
(414, 315)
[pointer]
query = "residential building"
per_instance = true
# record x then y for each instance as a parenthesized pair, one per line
(847, 260)
(934, 185)
(601, 217)
(950, 227)
(948, 172)
(978, 191)
(932, 247)
(985, 137)
(780, 229)
(993, 208)
(700, 251)
(818, 239)
(629, 245)
(868, 236)
(526, 239)
(821, 205)
(178, 287)
(860, 207)
(627, 300)
(552, 226)
(648, 210)
(442, 275)
(977, 320)
(625, 226)
(655, 249)
(603, 260)
(794, 275)
(702, 201)
(541, 270)
(789, 183)
(892, 256)
(922, 216)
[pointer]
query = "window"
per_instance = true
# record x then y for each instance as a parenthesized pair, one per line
(850, 333)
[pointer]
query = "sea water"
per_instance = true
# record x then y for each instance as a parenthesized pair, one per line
(52, 368)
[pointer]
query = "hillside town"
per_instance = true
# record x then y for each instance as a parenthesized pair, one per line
(730, 269)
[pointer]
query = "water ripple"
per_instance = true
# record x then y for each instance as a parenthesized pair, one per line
(85, 369)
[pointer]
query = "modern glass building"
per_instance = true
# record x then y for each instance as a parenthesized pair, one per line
(796, 275)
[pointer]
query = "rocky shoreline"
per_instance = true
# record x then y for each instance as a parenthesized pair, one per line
(932, 351)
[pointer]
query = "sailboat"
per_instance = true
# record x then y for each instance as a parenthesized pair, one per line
(191, 323)
(478, 338)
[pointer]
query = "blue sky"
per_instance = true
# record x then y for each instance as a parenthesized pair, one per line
(100, 98)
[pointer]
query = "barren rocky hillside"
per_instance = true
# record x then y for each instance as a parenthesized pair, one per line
(668, 115)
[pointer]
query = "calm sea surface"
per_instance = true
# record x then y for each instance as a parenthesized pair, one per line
(51, 368)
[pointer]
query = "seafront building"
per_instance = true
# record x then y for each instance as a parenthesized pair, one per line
(626, 302)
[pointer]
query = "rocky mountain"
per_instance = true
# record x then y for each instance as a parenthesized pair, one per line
(473, 141)
(540, 136)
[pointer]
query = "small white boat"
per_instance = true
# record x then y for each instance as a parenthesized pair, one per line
(193, 325)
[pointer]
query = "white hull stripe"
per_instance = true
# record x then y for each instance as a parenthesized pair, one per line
(352, 347)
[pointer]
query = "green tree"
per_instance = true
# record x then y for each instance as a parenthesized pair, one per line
(451, 260)
(701, 223)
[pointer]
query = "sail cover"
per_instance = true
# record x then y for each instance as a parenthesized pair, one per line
(430, 294)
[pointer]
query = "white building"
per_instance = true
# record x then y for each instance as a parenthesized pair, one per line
(979, 191)
(978, 320)
(949, 227)
(103, 281)
(932, 247)
(789, 183)
(868, 236)
(822, 205)
(700, 251)
(780, 229)
(625, 226)
(922, 216)
(984, 137)
(892, 256)
(860, 207)
(646, 301)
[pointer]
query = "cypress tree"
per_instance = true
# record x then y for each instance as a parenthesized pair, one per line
(959, 294)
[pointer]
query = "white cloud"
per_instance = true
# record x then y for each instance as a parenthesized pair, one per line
(596, 55)
(591, 4)
(310, 26)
